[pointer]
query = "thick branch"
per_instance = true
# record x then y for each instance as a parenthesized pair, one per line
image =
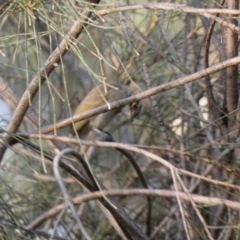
(41, 76)
(143, 95)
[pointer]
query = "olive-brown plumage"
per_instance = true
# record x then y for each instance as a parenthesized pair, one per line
(98, 96)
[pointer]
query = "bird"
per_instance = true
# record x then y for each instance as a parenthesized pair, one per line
(99, 96)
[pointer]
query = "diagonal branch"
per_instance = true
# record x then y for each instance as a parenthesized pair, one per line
(145, 94)
(41, 76)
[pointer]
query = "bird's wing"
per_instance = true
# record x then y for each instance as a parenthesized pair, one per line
(95, 98)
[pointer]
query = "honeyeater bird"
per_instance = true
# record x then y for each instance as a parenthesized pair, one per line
(98, 96)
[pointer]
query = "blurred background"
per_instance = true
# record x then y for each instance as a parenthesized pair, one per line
(194, 127)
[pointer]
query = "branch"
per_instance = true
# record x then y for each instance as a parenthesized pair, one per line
(209, 201)
(178, 8)
(41, 76)
(143, 95)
